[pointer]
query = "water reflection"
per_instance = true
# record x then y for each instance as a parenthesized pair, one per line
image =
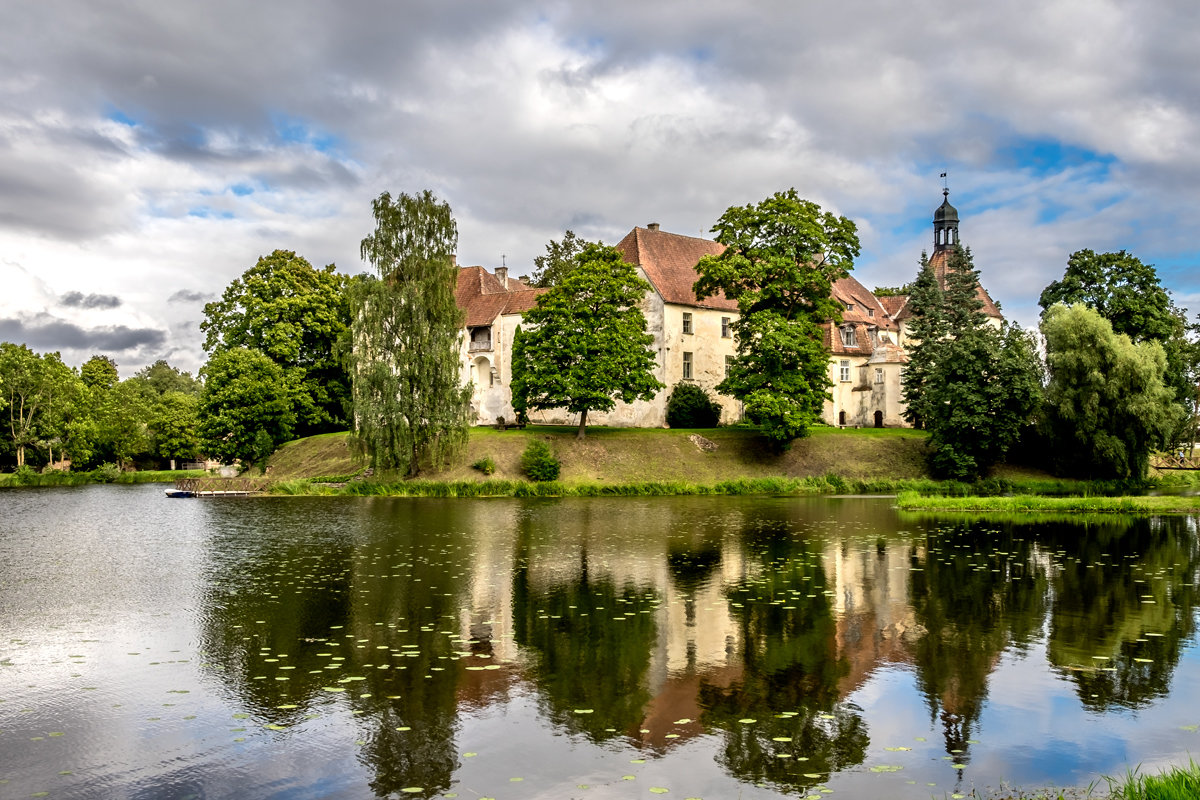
(585, 640)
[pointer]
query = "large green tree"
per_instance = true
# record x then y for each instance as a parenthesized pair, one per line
(1129, 294)
(1106, 404)
(294, 314)
(926, 302)
(36, 393)
(552, 267)
(976, 388)
(781, 259)
(245, 409)
(410, 408)
(585, 344)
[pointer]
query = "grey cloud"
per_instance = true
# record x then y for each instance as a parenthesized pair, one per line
(45, 333)
(188, 296)
(81, 300)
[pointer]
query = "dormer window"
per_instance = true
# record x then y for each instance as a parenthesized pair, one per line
(870, 312)
(849, 306)
(848, 337)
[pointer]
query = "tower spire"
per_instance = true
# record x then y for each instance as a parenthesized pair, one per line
(945, 222)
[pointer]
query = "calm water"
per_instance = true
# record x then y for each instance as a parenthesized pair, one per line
(608, 648)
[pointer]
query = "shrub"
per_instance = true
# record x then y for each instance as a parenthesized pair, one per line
(485, 465)
(106, 473)
(24, 475)
(538, 463)
(689, 406)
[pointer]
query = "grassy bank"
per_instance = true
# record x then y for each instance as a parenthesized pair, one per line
(97, 476)
(824, 484)
(1028, 503)
(1177, 783)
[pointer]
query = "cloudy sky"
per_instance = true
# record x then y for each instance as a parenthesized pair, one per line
(151, 151)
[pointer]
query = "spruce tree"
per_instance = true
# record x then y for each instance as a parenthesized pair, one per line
(411, 410)
(927, 326)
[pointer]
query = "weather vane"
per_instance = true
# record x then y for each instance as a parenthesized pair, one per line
(945, 183)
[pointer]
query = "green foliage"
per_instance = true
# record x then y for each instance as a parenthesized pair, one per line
(539, 463)
(160, 378)
(293, 314)
(99, 372)
(689, 406)
(585, 344)
(552, 268)
(781, 259)
(1177, 783)
(106, 473)
(926, 303)
(410, 409)
(975, 388)
(24, 475)
(1129, 295)
(245, 409)
(1106, 404)
(39, 396)
(892, 291)
(486, 465)
(172, 424)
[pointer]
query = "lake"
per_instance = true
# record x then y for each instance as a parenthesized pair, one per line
(697, 647)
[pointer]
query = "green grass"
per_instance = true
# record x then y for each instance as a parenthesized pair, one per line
(1177, 783)
(1027, 503)
(9, 480)
(811, 485)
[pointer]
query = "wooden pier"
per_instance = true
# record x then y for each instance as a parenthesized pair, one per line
(219, 487)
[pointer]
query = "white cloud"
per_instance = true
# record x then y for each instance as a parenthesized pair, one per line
(153, 149)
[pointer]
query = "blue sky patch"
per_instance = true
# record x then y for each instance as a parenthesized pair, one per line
(297, 131)
(241, 189)
(117, 115)
(1047, 156)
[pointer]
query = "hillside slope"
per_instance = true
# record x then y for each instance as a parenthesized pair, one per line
(630, 455)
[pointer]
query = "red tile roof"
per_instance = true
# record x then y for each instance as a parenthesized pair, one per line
(669, 261)
(483, 298)
(939, 261)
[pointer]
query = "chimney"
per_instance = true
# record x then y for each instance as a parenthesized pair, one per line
(502, 276)
(652, 226)
(454, 259)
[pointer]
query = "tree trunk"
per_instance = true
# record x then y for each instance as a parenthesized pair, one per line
(20, 455)
(582, 424)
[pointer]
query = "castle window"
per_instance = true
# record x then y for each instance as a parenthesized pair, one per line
(879, 375)
(687, 366)
(844, 371)
(724, 327)
(870, 312)
(687, 322)
(848, 337)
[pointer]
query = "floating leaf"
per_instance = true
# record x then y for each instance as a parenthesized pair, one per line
(659, 790)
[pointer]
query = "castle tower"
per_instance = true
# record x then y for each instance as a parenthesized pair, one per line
(945, 224)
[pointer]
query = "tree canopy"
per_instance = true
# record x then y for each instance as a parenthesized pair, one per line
(293, 314)
(585, 344)
(781, 259)
(1106, 403)
(552, 267)
(1130, 296)
(410, 408)
(976, 388)
(245, 409)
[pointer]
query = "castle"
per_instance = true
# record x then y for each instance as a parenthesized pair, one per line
(693, 340)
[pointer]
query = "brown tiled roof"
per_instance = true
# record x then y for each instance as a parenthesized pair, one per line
(939, 261)
(867, 308)
(894, 305)
(669, 261)
(483, 298)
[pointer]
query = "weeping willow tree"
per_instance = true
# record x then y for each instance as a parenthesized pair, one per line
(410, 408)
